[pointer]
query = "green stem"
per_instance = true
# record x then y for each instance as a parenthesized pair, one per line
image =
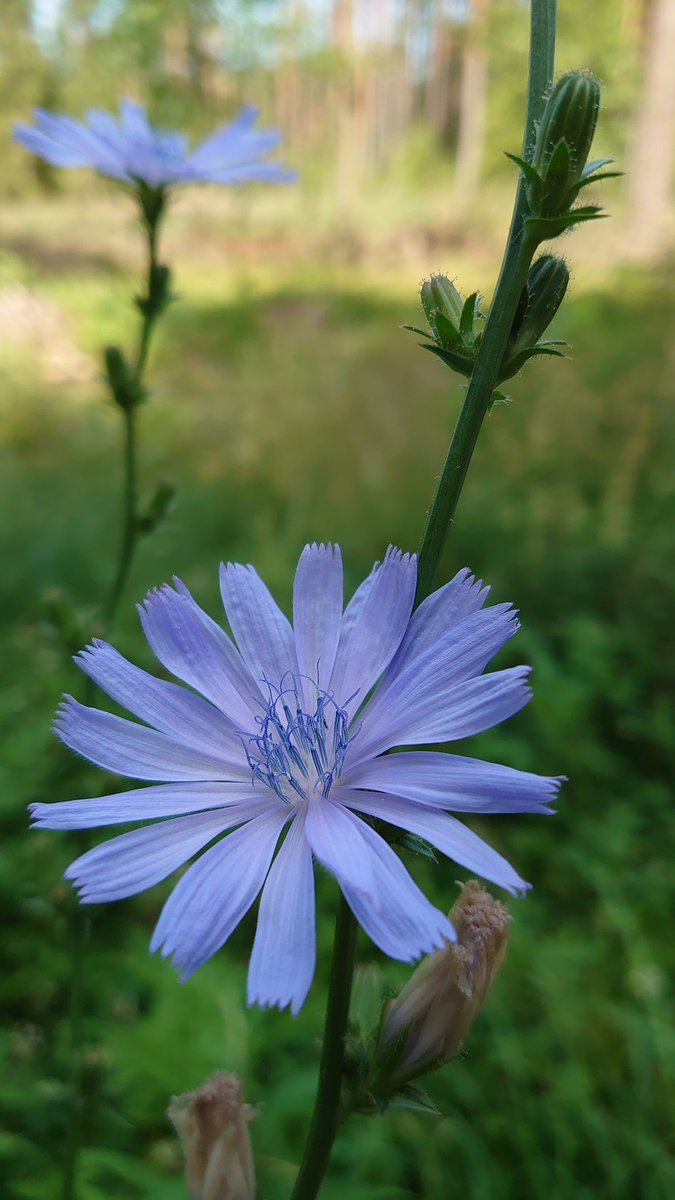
(324, 1124)
(513, 273)
(130, 520)
(130, 487)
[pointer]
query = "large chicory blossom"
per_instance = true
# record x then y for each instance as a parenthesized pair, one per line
(134, 151)
(282, 738)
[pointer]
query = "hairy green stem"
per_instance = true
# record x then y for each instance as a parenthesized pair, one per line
(324, 1124)
(513, 273)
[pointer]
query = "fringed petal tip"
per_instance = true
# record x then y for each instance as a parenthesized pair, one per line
(400, 556)
(282, 1003)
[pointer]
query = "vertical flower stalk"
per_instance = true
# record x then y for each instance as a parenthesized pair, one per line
(512, 279)
(126, 384)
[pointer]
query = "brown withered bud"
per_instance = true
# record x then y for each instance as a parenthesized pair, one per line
(444, 994)
(212, 1123)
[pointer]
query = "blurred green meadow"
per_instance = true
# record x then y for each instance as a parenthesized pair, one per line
(289, 406)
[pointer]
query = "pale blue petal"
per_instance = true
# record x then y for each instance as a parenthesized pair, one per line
(397, 916)
(129, 749)
(225, 150)
(459, 653)
(137, 860)
(190, 645)
(416, 716)
(317, 615)
(48, 148)
(251, 173)
(431, 622)
(335, 837)
(262, 632)
(215, 893)
(373, 626)
(141, 804)
(444, 832)
(284, 950)
(452, 782)
(173, 710)
(134, 121)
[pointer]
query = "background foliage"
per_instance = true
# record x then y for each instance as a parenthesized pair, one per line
(288, 406)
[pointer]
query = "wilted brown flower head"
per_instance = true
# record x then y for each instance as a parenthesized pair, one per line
(212, 1123)
(442, 997)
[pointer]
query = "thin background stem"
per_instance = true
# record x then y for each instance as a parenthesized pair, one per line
(515, 264)
(130, 486)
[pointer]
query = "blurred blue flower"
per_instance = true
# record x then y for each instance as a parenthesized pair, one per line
(282, 734)
(131, 149)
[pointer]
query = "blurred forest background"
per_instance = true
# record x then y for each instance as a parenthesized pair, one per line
(288, 406)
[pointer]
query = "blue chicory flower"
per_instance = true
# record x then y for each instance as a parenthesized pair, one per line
(282, 734)
(134, 151)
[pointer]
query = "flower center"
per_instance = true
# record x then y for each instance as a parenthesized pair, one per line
(295, 753)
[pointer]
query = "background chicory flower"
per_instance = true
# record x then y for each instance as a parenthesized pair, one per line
(133, 150)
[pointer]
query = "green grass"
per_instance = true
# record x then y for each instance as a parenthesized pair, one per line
(288, 406)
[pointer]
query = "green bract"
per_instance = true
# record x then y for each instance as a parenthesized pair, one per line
(558, 168)
(540, 300)
(453, 333)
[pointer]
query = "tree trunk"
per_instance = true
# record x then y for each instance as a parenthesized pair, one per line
(651, 164)
(472, 102)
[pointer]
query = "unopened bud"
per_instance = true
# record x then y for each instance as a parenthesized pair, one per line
(212, 1123)
(442, 997)
(439, 295)
(563, 142)
(126, 390)
(543, 294)
(570, 115)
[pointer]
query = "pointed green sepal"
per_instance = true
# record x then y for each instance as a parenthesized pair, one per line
(542, 229)
(457, 362)
(516, 364)
(417, 844)
(467, 318)
(158, 509)
(416, 1100)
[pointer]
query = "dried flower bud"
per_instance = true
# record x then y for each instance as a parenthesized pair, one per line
(212, 1123)
(441, 999)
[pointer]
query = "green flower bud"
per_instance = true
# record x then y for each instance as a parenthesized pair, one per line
(563, 142)
(125, 389)
(541, 298)
(439, 295)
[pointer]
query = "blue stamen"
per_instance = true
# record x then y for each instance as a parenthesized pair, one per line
(292, 746)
